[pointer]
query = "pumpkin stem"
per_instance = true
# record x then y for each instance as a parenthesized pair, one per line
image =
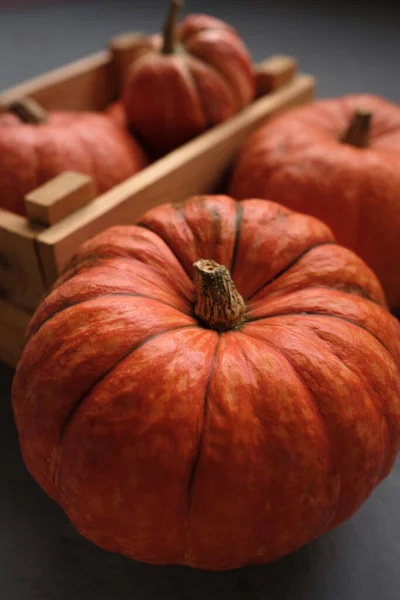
(28, 111)
(169, 29)
(218, 304)
(357, 133)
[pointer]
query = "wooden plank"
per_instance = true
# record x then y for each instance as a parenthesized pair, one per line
(13, 325)
(273, 73)
(195, 168)
(59, 197)
(21, 280)
(85, 84)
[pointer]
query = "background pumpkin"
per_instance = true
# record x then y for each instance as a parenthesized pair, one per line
(34, 152)
(180, 417)
(116, 112)
(338, 160)
(188, 81)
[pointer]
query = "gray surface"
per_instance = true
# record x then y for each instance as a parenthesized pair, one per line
(41, 556)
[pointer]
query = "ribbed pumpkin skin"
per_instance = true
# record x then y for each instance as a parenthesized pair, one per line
(171, 98)
(299, 161)
(90, 143)
(172, 443)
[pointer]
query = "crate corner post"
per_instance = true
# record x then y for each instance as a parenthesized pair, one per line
(50, 204)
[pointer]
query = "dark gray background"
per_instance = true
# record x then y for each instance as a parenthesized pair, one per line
(350, 48)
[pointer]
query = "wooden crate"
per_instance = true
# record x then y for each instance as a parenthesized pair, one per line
(64, 212)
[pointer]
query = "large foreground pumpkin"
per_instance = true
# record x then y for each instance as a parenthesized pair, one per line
(181, 417)
(338, 160)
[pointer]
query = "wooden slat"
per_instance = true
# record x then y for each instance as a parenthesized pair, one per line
(194, 168)
(21, 280)
(86, 84)
(273, 73)
(13, 324)
(59, 197)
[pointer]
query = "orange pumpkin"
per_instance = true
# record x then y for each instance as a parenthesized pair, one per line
(35, 151)
(338, 160)
(179, 415)
(184, 83)
(116, 112)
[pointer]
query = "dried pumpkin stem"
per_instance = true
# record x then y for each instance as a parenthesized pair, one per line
(357, 133)
(218, 303)
(28, 111)
(169, 30)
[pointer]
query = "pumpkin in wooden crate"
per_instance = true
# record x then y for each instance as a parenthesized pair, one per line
(214, 386)
(338, 160)
(187, 81)
(35, 146)
(116, 112)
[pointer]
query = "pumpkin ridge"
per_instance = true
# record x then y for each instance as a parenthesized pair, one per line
(88, 261)
(327, 524)
(352, 290)
(326, 315)
(196, 239)
(79, 264)
(196, 459)
(379, 410)
(219, 76)
(201, 99)
(181, 215)
(314, 402)
(238, 223)
(145, 226)
(218, 27)
(235, 95)
(237, 100)
(333, 475)
(348, 289)
(95, 297)
(387, 131)
(215, 217)
(98, 381)
(289, 266)
(179, 210)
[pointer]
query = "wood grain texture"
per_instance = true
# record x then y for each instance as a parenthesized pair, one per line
(86, 84)
(195, 168)
(21, 279)
(13, 324)
(273, 73)
(59, 197)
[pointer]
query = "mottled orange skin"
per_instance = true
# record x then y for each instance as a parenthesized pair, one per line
(116, 112)
(170, 443)
(299, 161)
(171, 98)
(90, 143)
